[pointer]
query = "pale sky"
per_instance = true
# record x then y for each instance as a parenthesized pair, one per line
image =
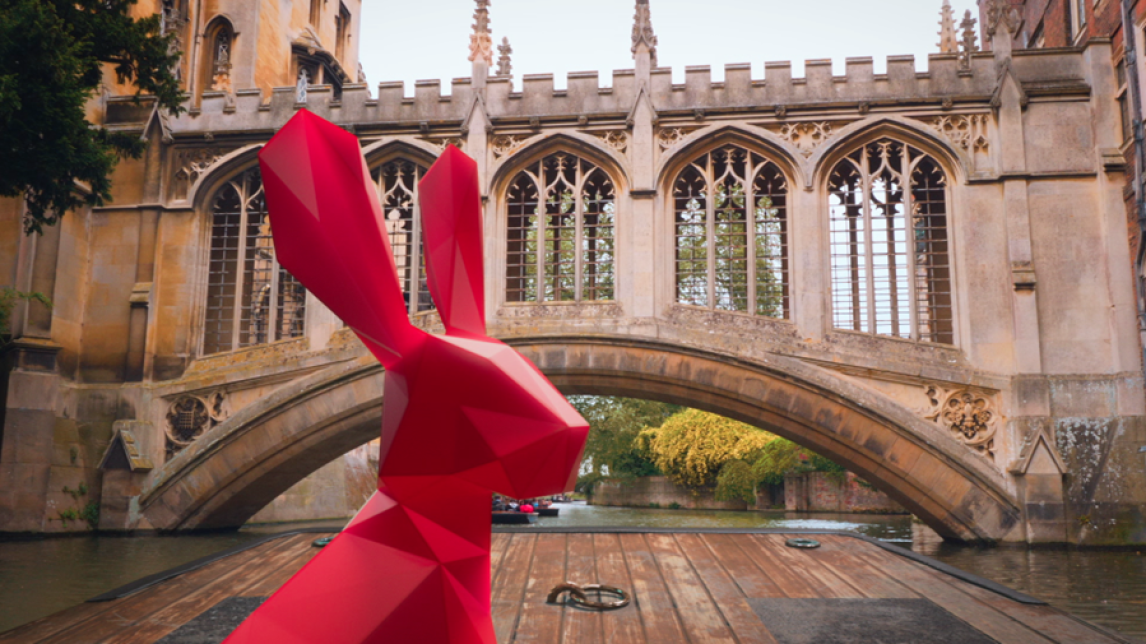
(411, 40)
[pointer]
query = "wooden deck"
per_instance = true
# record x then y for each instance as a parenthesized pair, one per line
(688, 587)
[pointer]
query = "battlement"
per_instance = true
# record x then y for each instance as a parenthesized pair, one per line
(585, 96)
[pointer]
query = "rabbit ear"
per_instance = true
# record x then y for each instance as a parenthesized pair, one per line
(330, 233)
(452, 227)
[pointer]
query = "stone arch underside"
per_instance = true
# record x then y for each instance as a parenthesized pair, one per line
(243, 464)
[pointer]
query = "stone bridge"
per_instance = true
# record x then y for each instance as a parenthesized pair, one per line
(922, 274)
(239, 466)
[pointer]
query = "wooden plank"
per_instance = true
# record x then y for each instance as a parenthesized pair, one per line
(124, 613)
(509, 585)
(621, 626)
(935, 586)
(541, 622)
(581, 568)
(729, 600)
(233, 583)
(825, 582)
(303, 551)
(699, 614)
(749, 577)
(659, 616)
(790, 581)
(868, 580)
(498, 544)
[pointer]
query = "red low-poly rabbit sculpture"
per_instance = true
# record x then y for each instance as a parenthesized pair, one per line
(464, 416)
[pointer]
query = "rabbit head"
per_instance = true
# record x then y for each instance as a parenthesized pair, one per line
(462, 405)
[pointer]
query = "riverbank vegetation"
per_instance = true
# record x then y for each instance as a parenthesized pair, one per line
(632, 438)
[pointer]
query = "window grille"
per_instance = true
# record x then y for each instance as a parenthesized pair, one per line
(731, 231)
(251, 300)
(397, 183)
(561, 232)
(891, 273)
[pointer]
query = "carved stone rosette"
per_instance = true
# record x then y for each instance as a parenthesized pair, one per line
(507, 144)
(441, 144)
(191, 164)
(670, 137)
(969, 416)
(617, 140)
(190, 416)
(805, 136)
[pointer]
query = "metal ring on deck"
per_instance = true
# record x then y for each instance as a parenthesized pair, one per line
(322, 542)
(806, 544)
(581, 600)
(577, 595)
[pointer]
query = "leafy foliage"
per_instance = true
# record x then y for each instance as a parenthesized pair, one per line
(9, 297)
(782, 456)
(54, 52)
(693, 446)
(614, 425)
(736, 482)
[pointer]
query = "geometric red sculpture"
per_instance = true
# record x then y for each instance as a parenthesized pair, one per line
(464, 415)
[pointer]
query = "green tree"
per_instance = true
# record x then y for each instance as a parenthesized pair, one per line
(52, 56)
(9, 297)
(736, 482)
(693, 446)
(614, 425)
(782, 456)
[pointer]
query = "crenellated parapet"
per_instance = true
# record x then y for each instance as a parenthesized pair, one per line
(1043, 74)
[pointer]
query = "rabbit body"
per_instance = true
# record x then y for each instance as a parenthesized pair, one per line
(464, 414)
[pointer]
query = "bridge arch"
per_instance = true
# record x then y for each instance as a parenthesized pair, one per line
(241, 465)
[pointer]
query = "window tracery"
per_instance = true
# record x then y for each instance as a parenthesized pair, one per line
(561, 232)
(890, 255)
(731, 229)
(397, 183)
(251, 300)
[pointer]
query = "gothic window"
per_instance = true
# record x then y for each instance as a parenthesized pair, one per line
(561, 232)
(397, 183)
(251, 300)
(731, 228)
(890, 255)
(316, 11)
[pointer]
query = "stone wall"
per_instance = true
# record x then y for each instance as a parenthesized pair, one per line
(829, 492)
(336, 491)
(646, 491)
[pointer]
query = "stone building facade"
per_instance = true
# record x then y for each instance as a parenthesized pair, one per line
(922, 274)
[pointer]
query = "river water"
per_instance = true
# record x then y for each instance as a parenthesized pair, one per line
(39, 577)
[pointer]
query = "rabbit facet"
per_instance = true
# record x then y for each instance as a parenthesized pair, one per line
(465, 415)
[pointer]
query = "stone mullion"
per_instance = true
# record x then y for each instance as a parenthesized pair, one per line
(415, 280)
(542, 224)
(869, 261)
(240, 266)
(578, 231)
(909, 236)
(710, 230)
(273, 300)
(750, 223)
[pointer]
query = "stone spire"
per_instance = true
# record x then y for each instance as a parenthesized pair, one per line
(643, 31)
(968, 44)
(1000, 16)
(504, 63)
(481, 43)
(948, 42)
